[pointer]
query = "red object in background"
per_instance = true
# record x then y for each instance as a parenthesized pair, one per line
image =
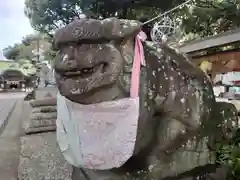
(237, 82)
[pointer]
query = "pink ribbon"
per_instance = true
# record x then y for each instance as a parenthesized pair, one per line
(138, 60)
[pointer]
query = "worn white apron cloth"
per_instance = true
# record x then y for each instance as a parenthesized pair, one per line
(101, 136)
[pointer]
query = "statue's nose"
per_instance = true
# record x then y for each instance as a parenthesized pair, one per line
(69, 63)
(66, 63)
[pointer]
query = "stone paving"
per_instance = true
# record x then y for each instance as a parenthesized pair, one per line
(12, 105)
(8, 102)
(10, 143)
(6, 107)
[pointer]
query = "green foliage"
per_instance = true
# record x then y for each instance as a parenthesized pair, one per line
(11, 52)
(18, 51)
(7, 64)
(48, 15)
(209, 17)
(50, 54)
(25, 66)
(26, 52)
(21, 50)
(200, 18)
(25, 49)
(29, 39)
(228, 154)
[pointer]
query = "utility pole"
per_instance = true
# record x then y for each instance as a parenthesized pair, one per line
(38, 47)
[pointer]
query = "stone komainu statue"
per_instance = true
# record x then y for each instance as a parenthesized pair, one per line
(179, 119)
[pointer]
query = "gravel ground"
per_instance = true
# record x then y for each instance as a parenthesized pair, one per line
(41, 159)
(40, 156)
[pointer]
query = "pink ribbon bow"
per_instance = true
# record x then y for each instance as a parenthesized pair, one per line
(138, 60)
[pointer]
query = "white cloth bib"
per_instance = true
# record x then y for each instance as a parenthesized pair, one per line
(99, 136)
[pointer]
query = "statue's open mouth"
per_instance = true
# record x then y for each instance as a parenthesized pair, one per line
(89, 84)
(85, 72)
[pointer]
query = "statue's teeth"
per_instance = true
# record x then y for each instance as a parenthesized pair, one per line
(85, 70)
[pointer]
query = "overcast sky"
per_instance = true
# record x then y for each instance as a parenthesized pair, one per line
(13, 23)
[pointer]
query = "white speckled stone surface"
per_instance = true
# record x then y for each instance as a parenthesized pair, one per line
(41, 159)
